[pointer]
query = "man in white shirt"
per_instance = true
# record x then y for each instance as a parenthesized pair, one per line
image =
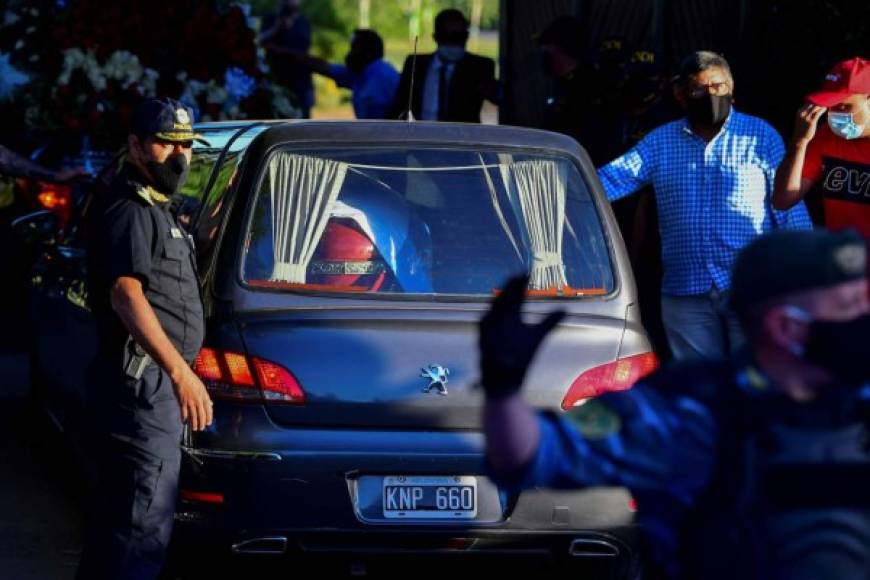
(449, 84)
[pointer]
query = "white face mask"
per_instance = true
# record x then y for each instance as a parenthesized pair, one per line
(844, 126)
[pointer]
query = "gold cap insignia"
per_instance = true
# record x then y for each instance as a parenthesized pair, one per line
(182, 117)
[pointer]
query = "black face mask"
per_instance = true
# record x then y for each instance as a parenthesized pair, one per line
(169, 176)
(709, 110)
(841, 347)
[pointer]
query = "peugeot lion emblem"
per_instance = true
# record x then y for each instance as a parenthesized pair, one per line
(437, 376)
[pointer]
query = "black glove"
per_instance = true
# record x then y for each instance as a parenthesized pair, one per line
(507, 344)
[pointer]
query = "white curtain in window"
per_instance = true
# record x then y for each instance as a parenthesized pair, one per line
(496, 206)
(303, 190)
(537, 190)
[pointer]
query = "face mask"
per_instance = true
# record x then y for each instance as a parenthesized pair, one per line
(841, 347)
(449, 53)
(843, 126)
(709, 110)
(169, 176)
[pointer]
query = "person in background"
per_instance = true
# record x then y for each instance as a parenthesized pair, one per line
(606, 84)
(562, 57)
(754, 467)
(569, 103)
(646, 103)
(14, 165)
(712, 173)
(287, 29)
(372, 80)
(835, 156)
(450, 84)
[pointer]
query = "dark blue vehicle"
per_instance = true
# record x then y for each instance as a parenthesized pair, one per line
(345, 266)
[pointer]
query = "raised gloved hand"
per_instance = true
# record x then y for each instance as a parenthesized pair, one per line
(507, 344)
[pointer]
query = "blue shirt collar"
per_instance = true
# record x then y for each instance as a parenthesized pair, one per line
(687, 128)
(370, 68)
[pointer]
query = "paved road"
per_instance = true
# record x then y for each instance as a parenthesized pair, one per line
(41, 515)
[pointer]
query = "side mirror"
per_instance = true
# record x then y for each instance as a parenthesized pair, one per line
(37, 227)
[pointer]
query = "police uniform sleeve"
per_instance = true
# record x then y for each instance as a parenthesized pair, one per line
(640, 439)
(130, 237)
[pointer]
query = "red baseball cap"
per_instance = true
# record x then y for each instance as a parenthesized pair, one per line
(850, 77)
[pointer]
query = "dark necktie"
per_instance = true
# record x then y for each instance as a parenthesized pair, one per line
(442, 92)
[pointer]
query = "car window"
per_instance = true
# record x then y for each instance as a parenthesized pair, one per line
(423, 222)
(211, 208)
(189, 198)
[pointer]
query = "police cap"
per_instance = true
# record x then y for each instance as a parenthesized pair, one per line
(788, 261)
(166, 119)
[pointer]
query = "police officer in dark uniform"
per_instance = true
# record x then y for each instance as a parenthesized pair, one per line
(753, 468)
(561, 45)
(146, 299)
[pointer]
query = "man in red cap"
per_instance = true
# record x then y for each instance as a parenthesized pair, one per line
(837, 155)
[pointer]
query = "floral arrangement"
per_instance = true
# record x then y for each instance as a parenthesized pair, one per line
(84, 64)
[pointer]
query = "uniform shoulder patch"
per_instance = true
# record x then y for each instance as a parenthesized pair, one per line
(595, 420)
(150, 195)
(143, 192)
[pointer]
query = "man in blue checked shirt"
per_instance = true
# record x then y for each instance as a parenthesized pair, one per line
(751, 468)
(713, 174)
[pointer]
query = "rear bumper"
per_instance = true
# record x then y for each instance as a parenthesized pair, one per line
(610, 554)
(294, 491)
(610, 545)
(389, 555)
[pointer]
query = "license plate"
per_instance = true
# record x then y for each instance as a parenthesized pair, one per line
(437, 497)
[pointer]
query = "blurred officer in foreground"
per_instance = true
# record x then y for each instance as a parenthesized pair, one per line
(754, 467)
(144, 292)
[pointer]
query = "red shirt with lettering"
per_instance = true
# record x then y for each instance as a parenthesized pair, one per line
(841, 168)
